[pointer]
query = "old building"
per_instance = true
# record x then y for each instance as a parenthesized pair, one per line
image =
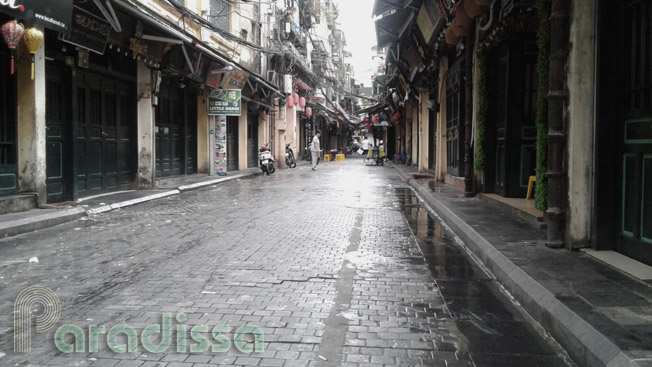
(505, 96)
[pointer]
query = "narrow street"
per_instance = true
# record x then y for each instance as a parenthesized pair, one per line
(338, 267)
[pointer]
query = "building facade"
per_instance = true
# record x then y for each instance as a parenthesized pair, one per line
(497, 95)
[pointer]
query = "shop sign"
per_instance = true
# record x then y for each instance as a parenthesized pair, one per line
(428, 20)
(235, 80)
(214, 76)
(55, 15)
(220, 144)
(88, 31)
(224, 102)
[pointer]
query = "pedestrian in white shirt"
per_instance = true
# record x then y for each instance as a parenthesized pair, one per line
(365, 147)
(314, 150)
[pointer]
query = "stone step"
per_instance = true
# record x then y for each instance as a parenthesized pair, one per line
(18, 203)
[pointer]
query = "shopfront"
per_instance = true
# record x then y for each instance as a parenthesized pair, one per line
(8, 123)
(91, 118)
(176, 128)
(624, 129)
(511, 120)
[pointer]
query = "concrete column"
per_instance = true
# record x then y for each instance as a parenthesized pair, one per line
(31, 123)
(424, 121)
(442, 156)
(203, 134)
(581, 112)
(408, 133)
(242, 138)
(146, 133)
(415, 134)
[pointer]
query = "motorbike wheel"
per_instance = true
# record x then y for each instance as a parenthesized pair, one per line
(270, 168)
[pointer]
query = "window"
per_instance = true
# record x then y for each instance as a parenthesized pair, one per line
(219, 14)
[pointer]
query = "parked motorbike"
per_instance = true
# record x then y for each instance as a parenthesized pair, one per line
(266, 159)
(290, 161)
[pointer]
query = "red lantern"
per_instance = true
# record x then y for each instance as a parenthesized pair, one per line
(302, 102)
(308, 112)
(295, 98)
(12, 32)
(396, 117)
(290, 102)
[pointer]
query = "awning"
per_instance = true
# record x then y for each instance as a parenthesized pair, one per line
(372, 109)
(381, 6)
(132, 8)
(301, 84)
(391, 28)
(142, 13)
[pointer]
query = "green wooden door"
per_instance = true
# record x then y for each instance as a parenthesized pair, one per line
(635, 125)
(455, 119)
(104, 118)
(8, 154)
(232, 143)
(58, 120)
(176, 130)
(252, 140)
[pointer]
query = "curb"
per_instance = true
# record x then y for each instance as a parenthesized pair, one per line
(581, 340)
(42, 221)
(20, 226)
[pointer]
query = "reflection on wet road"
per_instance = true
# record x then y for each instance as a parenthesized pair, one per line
(484, 327)
(338, 267)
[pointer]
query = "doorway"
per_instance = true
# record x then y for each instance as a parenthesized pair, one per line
(104, 117)
(8, 125)
(511, 124)
(252, 140)
(624, 129)
(232, 156)
(455, 119)
(176, 127)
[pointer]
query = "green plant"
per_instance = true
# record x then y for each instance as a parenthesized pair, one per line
(481, 115)
(543, 71)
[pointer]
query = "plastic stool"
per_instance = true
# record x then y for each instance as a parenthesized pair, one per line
(339, 157)
(327, 157)
(530, 185)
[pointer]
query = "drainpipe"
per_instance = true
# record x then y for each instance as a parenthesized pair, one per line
(557, 102)
(468, 112)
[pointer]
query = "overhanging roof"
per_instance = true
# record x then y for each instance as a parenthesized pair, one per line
(391, 28)
(372, 109)
(381, 6)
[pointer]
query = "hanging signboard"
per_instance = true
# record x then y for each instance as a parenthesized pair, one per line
(88, 31)
(236, 79)
(55, 15)
(224, 102)
(214, 79)
(220, 145)
(429, 20)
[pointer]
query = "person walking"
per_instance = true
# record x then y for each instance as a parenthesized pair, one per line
(365, 148)
(314, 150)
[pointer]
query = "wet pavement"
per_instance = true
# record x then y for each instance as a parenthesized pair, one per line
(339, 267)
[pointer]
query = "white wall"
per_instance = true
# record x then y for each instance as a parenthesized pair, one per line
(581, 85)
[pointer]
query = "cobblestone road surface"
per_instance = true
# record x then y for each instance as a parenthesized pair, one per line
(338, 267)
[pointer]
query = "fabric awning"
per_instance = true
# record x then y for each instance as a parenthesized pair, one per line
(391, 28)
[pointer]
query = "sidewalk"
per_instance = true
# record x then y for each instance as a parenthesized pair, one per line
(600, 315)
(22, 222)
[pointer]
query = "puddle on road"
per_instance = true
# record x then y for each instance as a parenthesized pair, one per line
(476, 320)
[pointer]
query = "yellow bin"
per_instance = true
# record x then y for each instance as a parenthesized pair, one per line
(327, 157)
(339, 157)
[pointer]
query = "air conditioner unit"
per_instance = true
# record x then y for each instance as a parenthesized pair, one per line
(272, 77)
(287, 83)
